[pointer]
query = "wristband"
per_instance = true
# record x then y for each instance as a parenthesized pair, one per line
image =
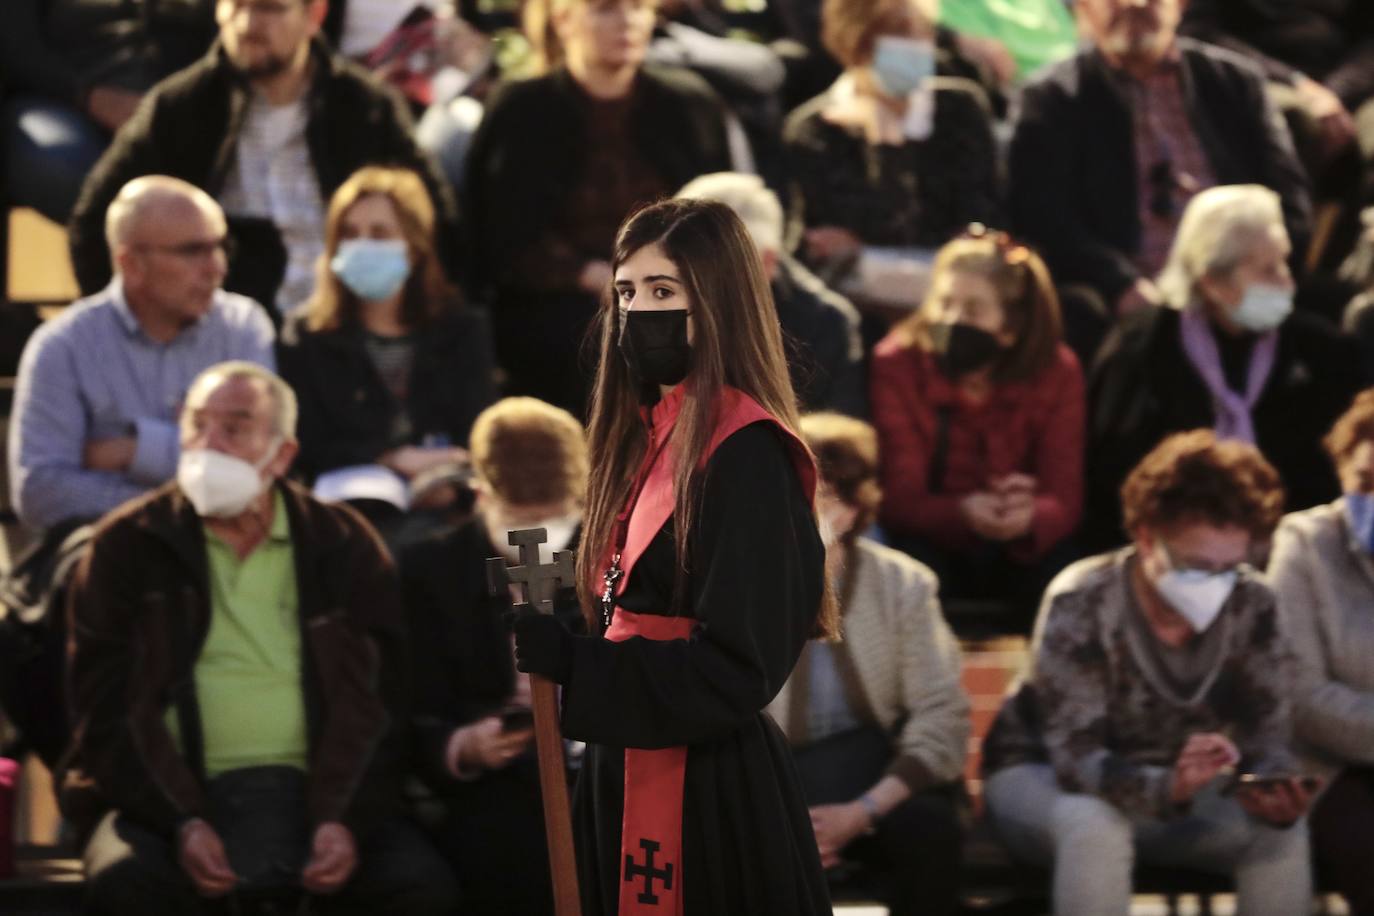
(871, 809)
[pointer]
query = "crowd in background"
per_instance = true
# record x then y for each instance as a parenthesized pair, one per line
(1078, 301)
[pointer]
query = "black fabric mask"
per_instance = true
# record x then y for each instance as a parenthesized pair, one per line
(654, 345)
(962, 348)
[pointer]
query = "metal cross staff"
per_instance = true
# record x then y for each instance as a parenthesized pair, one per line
(539, 583)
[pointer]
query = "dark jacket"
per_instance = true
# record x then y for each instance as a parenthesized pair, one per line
(1143, 387)
(140, 611)
(461, 657)
(943, 183)
(531, 147)
(1332, 41)
(1072, 173)
(62, 48)
(820, 330)
(188, 127)
(346, 411)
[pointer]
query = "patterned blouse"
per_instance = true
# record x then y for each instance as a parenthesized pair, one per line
(1096, 706)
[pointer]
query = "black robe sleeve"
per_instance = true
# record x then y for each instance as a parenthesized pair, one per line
(755, 586)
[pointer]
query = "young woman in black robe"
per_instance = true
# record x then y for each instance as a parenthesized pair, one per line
(702, 575)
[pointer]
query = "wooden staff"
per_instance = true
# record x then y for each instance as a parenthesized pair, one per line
(539, 583)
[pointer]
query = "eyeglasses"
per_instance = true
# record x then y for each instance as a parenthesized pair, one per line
(1196, 572)
(195, 251)
(1013, 252)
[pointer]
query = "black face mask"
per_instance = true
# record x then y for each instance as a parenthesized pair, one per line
(654, 345)
(962, 348)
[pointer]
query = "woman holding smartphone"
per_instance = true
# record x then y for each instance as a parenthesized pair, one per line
(1153, 725)
(702, 577)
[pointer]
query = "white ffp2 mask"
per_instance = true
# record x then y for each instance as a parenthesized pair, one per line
(1197, 595)
(220, 485)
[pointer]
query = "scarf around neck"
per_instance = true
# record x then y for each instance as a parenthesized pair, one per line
(1232, 410)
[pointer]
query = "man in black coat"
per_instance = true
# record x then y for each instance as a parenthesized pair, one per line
(1111, 144)
(270, 123)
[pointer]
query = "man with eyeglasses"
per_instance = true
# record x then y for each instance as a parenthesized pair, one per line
(1110, 145)
(99, 387)
(269, 123)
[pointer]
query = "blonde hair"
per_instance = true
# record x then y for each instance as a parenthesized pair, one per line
(546, 50)
(850, 28)
(529, 452)
(1217, 231)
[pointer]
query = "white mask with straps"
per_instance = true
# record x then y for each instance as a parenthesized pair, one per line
(220, 485)
(1196, 594)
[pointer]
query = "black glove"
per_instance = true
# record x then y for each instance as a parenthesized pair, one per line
(543, 645)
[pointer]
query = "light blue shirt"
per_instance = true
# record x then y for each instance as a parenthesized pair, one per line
(92, 373)
(828, 708)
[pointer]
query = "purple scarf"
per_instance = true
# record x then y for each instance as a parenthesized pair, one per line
(1232, 411)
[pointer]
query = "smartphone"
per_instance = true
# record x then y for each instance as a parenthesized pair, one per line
(517, 719)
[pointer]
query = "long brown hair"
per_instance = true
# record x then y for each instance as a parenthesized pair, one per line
(428, 294)
(1024, 288)
(736, 342)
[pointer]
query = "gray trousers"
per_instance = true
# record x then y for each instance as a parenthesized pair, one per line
(1092, 845)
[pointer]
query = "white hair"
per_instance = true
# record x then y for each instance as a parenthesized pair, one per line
(756, 206)
(283, 398)
(1218, 230)
(143, 196)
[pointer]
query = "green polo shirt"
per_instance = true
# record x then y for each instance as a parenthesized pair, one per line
(248, 676)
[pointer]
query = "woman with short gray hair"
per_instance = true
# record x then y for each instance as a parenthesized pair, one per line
(1224, 351)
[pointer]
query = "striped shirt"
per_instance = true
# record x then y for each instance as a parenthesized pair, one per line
(272, 176)
(92, 373)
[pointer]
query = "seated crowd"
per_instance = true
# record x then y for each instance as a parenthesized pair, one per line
(1088, 297)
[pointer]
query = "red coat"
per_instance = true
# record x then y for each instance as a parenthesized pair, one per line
(1034, 426)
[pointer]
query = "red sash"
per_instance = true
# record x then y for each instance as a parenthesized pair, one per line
(651, 828)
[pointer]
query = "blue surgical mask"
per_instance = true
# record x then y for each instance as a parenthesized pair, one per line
(1263, 307)
(1359, 513)
(373, 269)
(902, 65)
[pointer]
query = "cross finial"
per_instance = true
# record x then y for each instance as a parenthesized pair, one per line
(539, 581)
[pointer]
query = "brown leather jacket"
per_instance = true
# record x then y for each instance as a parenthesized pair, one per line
(139, 613)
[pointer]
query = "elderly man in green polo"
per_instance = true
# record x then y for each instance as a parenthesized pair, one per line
(236, 684)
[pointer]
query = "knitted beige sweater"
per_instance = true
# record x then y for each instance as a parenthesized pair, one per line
(1325, 583)
(900, 665)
